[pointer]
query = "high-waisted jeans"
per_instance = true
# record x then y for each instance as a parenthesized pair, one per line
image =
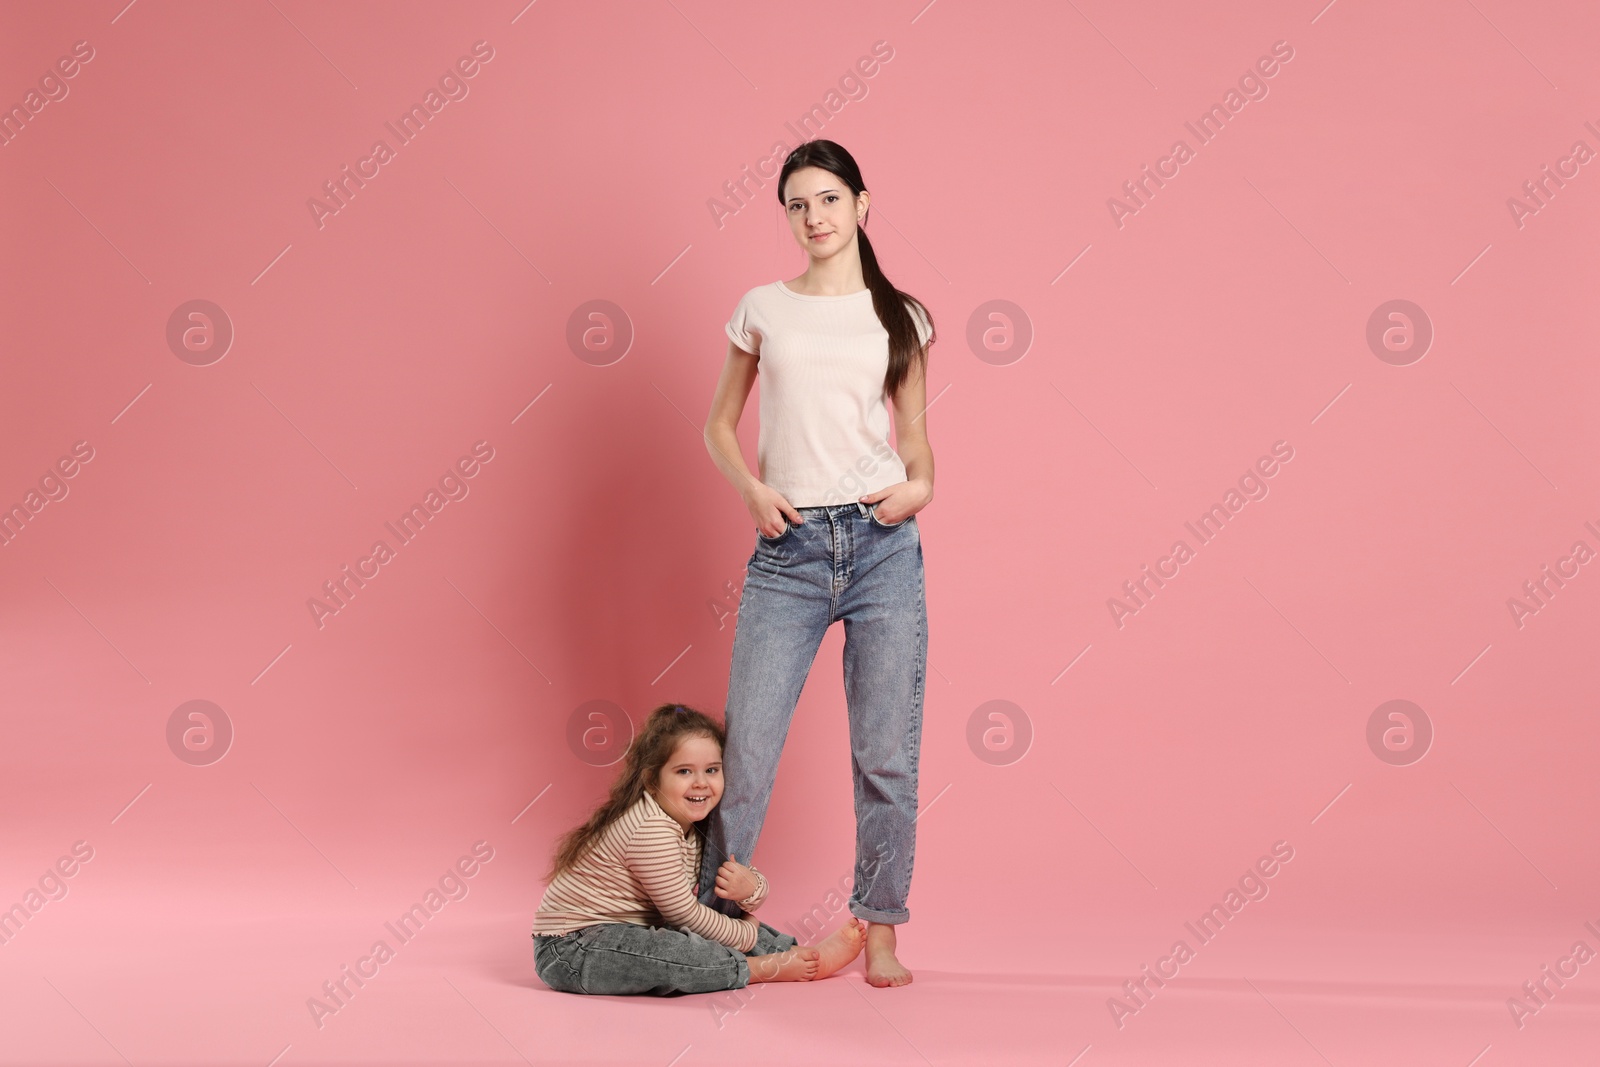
(841, 564)
(617, 959)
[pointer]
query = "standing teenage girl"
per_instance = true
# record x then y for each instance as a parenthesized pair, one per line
(837, 539)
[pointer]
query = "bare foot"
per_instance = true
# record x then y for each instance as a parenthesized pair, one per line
(883, 969)
(841, 946)
(799, 964)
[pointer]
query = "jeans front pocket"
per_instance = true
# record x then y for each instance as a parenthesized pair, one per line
(872, 513)
(788, 528)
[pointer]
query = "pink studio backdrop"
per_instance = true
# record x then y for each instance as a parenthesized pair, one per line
(1113, 360)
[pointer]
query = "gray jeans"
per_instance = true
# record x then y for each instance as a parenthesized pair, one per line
(844, 565)
(622, 958)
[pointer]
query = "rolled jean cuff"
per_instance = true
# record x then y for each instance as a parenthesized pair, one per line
(872, 915)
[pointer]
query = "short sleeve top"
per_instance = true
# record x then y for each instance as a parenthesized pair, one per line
(824, 435)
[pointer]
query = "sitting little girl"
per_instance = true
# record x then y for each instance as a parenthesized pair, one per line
(619, 914)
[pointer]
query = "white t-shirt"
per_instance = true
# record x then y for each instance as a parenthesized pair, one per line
(824, 436)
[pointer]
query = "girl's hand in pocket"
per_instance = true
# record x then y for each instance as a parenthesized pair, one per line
(900, 501)
(768, 509)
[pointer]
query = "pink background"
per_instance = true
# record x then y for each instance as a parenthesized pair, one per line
(599, 549)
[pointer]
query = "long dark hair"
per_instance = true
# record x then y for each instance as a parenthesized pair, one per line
(667, 725)
(887, 301)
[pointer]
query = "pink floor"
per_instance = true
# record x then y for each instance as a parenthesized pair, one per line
(1354, 339)
(152, 986)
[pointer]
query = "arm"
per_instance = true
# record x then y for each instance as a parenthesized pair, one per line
(911, 443)
(655, 857)
(727, 406)
(722, 441)
(911, 430)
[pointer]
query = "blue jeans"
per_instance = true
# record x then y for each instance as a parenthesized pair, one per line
(616, 959)
(841, 564)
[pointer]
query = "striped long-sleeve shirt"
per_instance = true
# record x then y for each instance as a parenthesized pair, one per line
(642, 869)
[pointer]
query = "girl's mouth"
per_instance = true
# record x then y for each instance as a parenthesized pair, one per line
(697, 802)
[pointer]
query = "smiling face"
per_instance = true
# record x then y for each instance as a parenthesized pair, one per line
(823, 213)
(690, 784)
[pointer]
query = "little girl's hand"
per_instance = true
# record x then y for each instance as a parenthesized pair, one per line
(735, 881)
